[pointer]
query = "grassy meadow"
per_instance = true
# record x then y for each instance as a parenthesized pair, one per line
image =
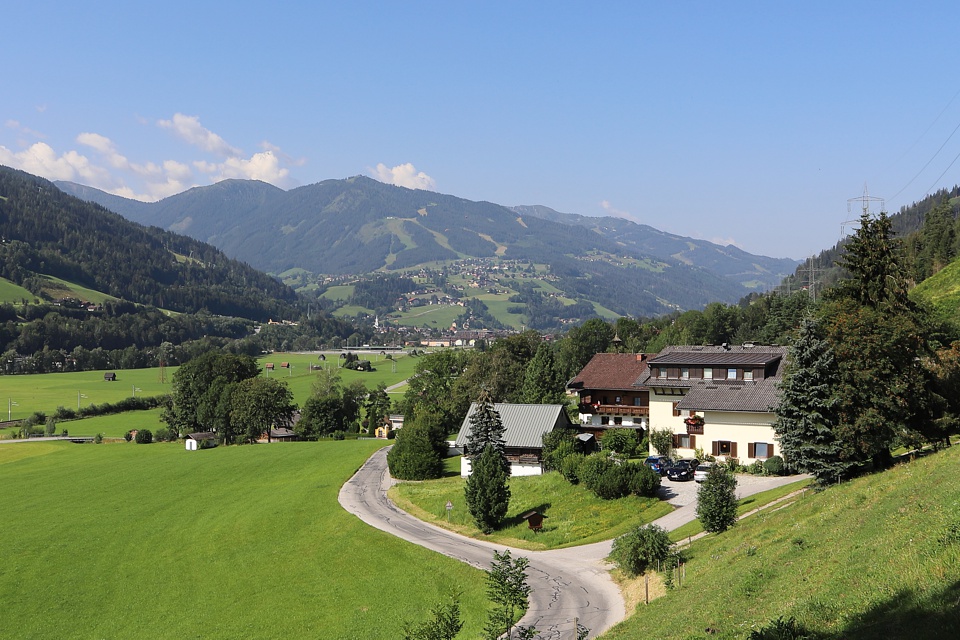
(25, 394)
(151, 541)
(575, 515)
(877, 557)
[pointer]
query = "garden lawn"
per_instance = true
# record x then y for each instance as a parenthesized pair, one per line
(114, 425)
(575, 515)
(877, 557)
(151, 541)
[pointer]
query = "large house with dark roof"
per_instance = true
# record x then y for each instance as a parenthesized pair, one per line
(608, 393)
(717, 398)
(525, 426)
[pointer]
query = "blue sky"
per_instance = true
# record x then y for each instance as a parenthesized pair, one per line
(748, 123)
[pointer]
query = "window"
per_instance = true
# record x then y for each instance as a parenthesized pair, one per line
(760, 450)
(617, 420)
(724, 448)
(617, 400)
(748, 374)
(638, 402)
(684, 441)
(731, 374)
(708, 374)
(604, 419)
(685, 373)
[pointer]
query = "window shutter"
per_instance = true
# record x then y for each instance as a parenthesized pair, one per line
(733, 449)
(676, 441)
(751, 450)
(693, 442)
(770, 450)
(715, 448)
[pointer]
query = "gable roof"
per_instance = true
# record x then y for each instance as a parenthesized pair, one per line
(525, 423)
(611, 371)
(759, 395)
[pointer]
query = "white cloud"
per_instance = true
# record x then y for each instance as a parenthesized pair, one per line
(263, 166)
(105, 167)
(189, 129)
(404, 175)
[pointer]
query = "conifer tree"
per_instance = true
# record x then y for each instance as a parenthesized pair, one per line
(486, 492)
(809, 408)
(717, 500)
(541, 382)
(486, 428)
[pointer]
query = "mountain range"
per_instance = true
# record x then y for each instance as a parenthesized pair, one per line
(359, 225)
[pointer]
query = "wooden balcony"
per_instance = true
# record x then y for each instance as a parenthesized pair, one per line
(615, 410)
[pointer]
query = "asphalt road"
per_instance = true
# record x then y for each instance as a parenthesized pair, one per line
(568, 585)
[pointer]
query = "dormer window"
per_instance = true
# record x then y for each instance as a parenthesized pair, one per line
(731, 374)
(684, 373)
(748, 374)
(708, 374)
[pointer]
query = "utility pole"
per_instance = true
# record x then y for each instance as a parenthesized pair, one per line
(865, 201)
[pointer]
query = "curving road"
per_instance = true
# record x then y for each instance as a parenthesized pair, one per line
(568, 585)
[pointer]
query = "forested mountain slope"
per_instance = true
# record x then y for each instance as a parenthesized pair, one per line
(360, 225)
(727, 261)
(45, 232)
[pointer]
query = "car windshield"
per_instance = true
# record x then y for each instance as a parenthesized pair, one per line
(703, 467)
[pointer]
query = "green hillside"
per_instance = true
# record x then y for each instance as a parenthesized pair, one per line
(942, 290)
(45, 233)
(878, 557)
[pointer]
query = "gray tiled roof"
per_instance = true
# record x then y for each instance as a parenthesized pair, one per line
(760, 396)
(525, 423)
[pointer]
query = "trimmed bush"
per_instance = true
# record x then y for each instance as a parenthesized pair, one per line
(645, 482)
(144, 436)
(591, 468)
(774, 466)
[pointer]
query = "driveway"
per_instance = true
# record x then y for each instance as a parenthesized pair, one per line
(568, 585)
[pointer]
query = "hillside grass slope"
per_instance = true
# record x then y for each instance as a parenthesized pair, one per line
(878, 557)
(151, 541)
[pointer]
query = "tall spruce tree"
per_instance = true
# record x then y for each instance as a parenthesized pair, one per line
(809, 408)
(541, 381)
(486, 491)
(486, 429)
(879, 340)
(717, 500)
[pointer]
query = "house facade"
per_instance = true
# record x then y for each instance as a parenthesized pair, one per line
(720, 399)
(525, 426)
(608, 394)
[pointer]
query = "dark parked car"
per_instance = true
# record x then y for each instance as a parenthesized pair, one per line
(660, 464)
(682, 469)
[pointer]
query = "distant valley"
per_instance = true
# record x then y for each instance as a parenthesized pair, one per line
(361, 226)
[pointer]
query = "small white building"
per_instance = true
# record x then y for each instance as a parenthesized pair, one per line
(193, 440)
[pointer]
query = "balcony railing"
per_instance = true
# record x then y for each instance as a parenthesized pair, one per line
(615, 410)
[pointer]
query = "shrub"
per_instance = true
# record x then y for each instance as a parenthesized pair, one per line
(622, 441)
(128, 436)
(144, 436)
(645, 482)
(414, 457)
(756, 468)
(781, 629)
(774, 465)
(65, 433)
(591, 468)
(636, 550)
(51, 426)
(63, 413)
(570, 468)
(97, 439)
(615, 481)
(339, 435)
(662, 441)
(162, 435)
